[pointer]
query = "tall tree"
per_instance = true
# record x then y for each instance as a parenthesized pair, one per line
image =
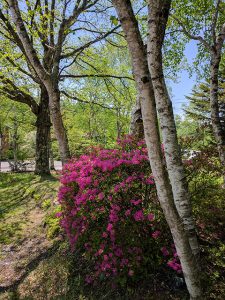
(190, 16)
(149, 114)
(158, 17)
(42, 32)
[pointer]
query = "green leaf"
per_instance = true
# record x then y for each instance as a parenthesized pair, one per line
(114, 20)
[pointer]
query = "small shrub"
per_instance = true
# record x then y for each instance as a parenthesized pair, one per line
(111, 213)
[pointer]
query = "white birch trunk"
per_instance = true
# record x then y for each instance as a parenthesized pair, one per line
(159, 10)
(146, 94)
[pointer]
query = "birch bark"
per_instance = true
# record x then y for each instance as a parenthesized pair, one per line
(158, 15)
(149, 114)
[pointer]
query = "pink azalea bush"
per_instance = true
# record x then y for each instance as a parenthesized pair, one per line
(110, 211)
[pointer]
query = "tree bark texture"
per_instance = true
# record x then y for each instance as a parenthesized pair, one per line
(56, 116)
(158, 15)
(149, 114)
(43, 124)
(219, 132)
(136, 124)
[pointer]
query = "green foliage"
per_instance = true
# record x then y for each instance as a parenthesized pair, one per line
(197, 17)
(16, 116)
(209, 207)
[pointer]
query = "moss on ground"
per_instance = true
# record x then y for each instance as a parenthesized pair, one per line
(19, 195)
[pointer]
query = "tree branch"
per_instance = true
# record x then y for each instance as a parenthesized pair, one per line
(86, 102)
(25, 40)
(82, 48)
(191, 36)
(16, 94)
(95, 75)
(214, 21)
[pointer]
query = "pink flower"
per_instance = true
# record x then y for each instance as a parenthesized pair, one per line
(100, 251)
(151, 217)
(156, 234)
(116, 188)
(174, 265)
(113, 217)
(127, 212)
(165, 252)
(149, 181)
(101, 196)
(109, 227)
(136, 202)
(105, 234)
(58, 214)
(138, 216)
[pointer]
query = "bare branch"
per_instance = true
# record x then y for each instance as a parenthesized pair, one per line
(12, 62)
(95, 75)
(82, 48)
(85, 101)
(16, 94)
(25, 40)
(191, 36)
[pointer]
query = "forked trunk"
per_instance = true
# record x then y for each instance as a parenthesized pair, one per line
(158, 15)
(50, 82)
(43, 124)
(164, 191)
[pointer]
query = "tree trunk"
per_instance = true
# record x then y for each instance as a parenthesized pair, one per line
(51, 82)
(136, 124)
(51, 157)
(164, 191)
(15, 145)
(43, 124)
(158, 15)
(218, 131)
(60, 131)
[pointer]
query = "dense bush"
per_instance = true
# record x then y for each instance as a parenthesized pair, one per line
(110, 212)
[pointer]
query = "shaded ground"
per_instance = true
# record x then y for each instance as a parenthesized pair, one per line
(36, 263)
(25, 201)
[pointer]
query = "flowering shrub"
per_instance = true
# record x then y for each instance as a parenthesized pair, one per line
(106, 212)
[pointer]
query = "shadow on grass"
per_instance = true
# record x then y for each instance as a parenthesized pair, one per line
(29, 268)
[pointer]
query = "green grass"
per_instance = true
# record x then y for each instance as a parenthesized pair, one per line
(19, 195)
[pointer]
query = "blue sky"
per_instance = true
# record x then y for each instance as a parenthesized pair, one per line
(184, 84)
